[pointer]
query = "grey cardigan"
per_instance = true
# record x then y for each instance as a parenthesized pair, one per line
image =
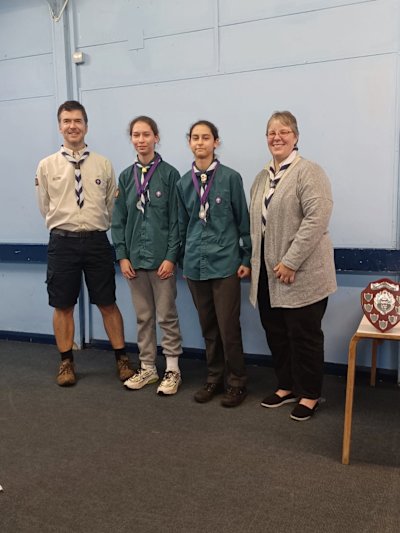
(296, 235)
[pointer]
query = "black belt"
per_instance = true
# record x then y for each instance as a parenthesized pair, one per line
(76, 234)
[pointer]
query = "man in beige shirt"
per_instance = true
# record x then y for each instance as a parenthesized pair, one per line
(76, 189)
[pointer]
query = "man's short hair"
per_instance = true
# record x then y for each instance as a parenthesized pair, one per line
(72, 105)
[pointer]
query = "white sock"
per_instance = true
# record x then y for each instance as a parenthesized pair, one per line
(147, 366)
(172, 364)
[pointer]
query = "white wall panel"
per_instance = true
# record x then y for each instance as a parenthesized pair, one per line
(167, 17)
(106, 22)
(133, 20)
(238, 11)
(109, 65)
(164, 58)
(27, 77)
(25, 28)
(310, 37)
(29, 129)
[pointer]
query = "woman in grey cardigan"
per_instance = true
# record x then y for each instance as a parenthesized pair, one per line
(293, 270)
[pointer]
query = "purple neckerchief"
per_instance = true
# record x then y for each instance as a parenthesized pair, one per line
(203, 197)
(141, 187)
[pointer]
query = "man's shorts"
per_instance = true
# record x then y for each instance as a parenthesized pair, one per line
(70, 255)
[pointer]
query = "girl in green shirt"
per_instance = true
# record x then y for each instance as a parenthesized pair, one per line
(146, 239)
(215, 235)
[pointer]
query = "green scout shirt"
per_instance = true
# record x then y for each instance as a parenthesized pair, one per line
(147, 240)
(217, 248)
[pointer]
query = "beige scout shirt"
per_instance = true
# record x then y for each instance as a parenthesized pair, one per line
(55, 187)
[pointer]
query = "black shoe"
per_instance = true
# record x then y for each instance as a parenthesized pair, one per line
(276, 401)
(234, 396)
(208, 392)
(301, 412)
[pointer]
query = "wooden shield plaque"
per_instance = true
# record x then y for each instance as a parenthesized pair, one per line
(380, 301)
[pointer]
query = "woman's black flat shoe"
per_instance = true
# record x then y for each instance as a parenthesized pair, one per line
(301, 412)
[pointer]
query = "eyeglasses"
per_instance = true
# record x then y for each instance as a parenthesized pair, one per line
(281, 133)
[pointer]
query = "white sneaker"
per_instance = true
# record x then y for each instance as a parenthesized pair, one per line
(170, 383)
(141, 378)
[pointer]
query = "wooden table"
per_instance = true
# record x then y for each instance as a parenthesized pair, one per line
(364, 331)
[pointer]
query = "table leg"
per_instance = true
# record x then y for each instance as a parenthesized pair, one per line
(375, 344)
(348, 412)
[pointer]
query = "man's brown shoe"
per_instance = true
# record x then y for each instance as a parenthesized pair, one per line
(124, 370)
(208, 392)
(66, 374)
(234, 396)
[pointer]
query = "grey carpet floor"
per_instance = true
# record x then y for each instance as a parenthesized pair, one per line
(98, 458)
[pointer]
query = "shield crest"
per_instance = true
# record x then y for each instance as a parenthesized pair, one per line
(380, 302)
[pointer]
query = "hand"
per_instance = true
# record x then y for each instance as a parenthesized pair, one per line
(243, 272)
(127, 269)
(166, 269)
(284, 273)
